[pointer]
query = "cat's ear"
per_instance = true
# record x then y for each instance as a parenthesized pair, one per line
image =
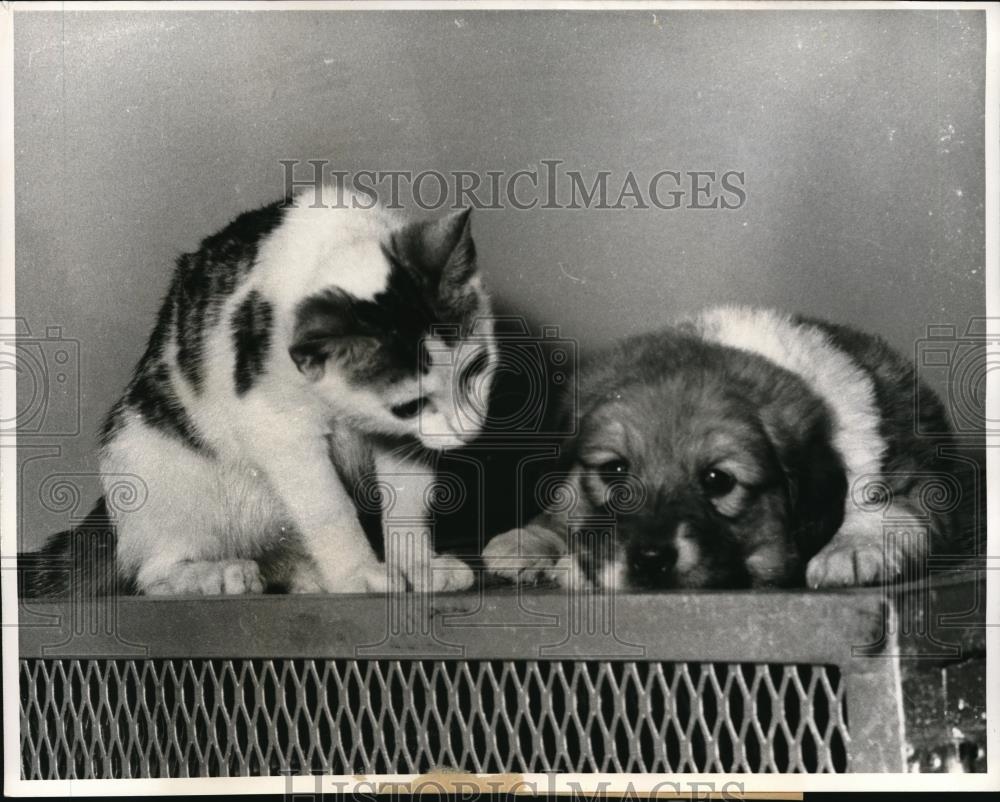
(442, 248)
(321, 326)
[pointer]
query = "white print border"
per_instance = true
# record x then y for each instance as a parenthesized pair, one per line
(14, 786)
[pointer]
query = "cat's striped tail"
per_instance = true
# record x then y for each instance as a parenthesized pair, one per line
(77, 563)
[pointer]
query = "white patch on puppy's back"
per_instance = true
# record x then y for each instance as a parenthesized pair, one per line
(844, 386)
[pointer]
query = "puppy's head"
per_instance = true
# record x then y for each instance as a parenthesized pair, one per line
(719, 473)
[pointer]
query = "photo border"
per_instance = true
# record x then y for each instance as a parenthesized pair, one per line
(753, 784)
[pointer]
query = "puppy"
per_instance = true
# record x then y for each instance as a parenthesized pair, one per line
(742, 448)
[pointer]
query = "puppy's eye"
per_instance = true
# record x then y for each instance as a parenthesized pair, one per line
(717, 483)
(614, 467)
(410, 409)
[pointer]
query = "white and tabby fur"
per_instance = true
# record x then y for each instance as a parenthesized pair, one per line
(268, 481)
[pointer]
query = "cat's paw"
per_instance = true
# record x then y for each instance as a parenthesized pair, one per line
(383, 578)
(519, 557)
(209, 578)
(306, 579)
(376, 577)
(849, 560)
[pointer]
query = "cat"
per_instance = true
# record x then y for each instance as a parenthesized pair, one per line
(302, 370)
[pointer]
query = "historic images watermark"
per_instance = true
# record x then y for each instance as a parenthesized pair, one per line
(551, 184)
(47, 366)
(472, 788)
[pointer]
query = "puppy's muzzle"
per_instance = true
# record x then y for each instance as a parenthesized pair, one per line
(651, 563)
(659, 546)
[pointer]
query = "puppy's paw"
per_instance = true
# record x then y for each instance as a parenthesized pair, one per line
(209, 578)
(519, 556)
(853, 560)
(567, 573)
(441, 574)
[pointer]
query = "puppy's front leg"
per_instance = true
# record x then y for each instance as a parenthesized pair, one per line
(869, 547)
(535, 553)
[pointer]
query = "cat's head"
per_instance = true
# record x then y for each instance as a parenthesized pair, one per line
(408, 348)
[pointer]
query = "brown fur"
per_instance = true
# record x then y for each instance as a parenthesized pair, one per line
(674, 407)
(662, 419)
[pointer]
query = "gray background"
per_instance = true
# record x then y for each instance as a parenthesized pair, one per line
(860, 134)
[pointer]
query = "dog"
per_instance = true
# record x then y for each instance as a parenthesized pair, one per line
(742, 448)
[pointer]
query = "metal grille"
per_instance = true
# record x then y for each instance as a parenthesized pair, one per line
(213, 717)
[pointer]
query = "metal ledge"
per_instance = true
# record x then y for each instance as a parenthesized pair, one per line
(942, 619)
(926, 639)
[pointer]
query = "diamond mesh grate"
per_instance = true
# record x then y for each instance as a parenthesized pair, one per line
(182, 717)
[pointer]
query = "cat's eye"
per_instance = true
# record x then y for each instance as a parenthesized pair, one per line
(410, 409)
(717, 483)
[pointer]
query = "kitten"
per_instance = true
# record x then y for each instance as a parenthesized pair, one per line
(301, 359)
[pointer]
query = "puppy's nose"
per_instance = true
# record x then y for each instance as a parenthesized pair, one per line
(652, 565)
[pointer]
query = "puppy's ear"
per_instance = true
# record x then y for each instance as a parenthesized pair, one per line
(801, 434)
